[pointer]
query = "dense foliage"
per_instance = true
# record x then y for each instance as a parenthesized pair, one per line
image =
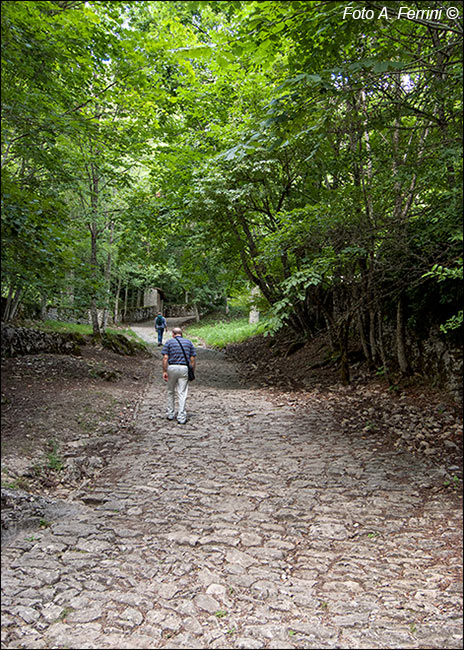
(211, 147)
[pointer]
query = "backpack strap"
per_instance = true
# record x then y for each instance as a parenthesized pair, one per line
(182, 348)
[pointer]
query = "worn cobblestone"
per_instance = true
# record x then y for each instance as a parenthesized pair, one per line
(253, 526)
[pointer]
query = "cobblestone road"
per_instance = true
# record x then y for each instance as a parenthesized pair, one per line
(253, 526)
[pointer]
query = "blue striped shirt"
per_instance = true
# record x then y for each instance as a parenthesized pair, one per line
(174, 352)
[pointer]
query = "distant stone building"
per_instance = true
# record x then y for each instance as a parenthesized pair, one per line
(148, 304)
(153, 297)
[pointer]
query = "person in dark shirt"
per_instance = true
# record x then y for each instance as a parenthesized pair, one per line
(160, 326)
(175, 372)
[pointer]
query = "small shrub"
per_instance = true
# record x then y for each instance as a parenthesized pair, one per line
(55, 463)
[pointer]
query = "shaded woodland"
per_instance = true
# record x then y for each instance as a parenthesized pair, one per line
(209, 148)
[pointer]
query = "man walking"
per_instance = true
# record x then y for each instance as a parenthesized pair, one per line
(177, 354)
(160, 326)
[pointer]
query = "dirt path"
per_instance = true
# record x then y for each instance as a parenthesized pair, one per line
(254, 526)
(147, 332)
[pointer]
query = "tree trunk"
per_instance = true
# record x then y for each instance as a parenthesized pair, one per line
(401, 338)
(363, 315)
(363, 338)
(12, 303)
(93, 266)
(372, 341)
(43, 307)
(116, 301)
(126, 297)
(329, 331)
(372, 302)
(6, 311)
(16, 302)
(383, 356)
(69, 291)
(344, 361)
(93, 227)
(106, 308)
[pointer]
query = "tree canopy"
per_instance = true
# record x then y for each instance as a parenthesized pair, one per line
(207, 147)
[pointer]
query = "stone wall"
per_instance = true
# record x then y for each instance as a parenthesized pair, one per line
(69, 315)
(434, 359)
(178, 311)
(140, 314)
(17, 341)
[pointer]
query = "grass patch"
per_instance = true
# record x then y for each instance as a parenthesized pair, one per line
(80, 328)
(62, 327)
(218, 334)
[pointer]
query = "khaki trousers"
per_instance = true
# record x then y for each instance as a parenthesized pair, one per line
(177, 383)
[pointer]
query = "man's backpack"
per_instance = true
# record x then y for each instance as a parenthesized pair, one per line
(159, 321)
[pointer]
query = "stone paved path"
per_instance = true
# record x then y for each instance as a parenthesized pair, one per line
(253, 526)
